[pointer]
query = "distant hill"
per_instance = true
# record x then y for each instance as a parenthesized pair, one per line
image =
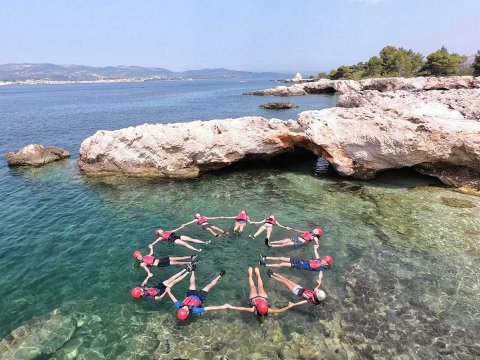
(22, 72)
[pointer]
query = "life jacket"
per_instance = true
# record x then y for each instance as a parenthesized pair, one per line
(201, 220)
(242, 216)
(148, 260)
(271, 220)
(191, 301)
(307, 236)
(166, 234)
(152, 291)
(315, 264)
(310, 295)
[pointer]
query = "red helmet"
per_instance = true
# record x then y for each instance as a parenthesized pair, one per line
(136, 254)
(183, 313)
(137, 292)
(318, 231)
(262, 307)
(328, 259)
(158, 232)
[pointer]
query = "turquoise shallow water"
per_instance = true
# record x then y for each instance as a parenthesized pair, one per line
(404, 283)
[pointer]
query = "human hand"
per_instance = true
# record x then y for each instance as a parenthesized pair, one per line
(288, 228)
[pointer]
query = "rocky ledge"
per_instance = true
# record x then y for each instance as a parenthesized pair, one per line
(36, 155)
(436, 132)
(325, 86)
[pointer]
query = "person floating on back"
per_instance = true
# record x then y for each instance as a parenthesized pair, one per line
(164, 235)
(193, 303)
(241, 221)
(149, 260)
(316, 264)
(203, 222)
(268, 224)
(315, 296)
(304, 238)
(259, 304)
(158, 291)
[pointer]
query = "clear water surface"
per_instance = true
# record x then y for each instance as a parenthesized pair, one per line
(404, 284)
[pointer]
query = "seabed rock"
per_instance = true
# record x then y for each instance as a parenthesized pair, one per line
(36, 155)
(40, 337)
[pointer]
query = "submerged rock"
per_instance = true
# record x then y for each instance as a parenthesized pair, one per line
(36, 155)
(345, 187)
(457, 203)
(278, 106)
(41, 337)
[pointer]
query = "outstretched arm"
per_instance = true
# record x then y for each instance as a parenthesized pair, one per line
(219, 307)
(183, 225)
(276, 222)
(161, 296)
(315, 251)
(296, 230)
(319, 280)
(149, 274)
(285, 308)
(222, 217)
(239, 308)
(169, 292)
(156, 241)
(150, 246)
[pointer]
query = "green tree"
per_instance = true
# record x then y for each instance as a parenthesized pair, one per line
(476, 64)
(388, 54)
(442, 63)
(375, 67)
(342, 72)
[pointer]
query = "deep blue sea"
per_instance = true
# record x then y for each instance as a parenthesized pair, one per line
(404, 283)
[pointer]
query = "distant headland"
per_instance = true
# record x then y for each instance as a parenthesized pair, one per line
(13, 74)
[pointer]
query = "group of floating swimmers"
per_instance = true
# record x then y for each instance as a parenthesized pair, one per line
(192, 304)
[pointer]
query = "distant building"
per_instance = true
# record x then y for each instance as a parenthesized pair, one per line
(297, 77)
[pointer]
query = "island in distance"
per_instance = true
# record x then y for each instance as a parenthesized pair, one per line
(13, 73)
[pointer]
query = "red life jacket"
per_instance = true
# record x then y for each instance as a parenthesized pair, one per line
(271, 220)
(201, 220)
(191, 301)
(152, 291)
(242, 216)
(310, 295)
(148, 260)
(315, 263)
(166, 234)
(307, 236)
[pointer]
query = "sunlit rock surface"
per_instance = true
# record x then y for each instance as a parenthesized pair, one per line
(36, 155)
(430, 124)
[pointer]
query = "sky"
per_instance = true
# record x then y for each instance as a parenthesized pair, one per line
(253, 35)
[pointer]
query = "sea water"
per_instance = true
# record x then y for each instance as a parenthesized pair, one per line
(404, 283)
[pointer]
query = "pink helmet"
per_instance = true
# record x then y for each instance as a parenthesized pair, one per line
(137, 292)
(318, 231)
(328, 259)
(262, 306)
(183, 312)
(136, 254)
(158, 232)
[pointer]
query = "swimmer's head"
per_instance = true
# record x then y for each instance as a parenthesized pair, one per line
(137, 292)
(320, 294)
(158, 232)
(183, 313)
(137, 255)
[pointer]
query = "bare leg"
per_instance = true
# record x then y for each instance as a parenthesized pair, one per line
(282, 244)
(253, 289)
(236, 227)
(179, 258)
(217, 229)
(175, 262)
(279, 258)
(210, 230)
(279, 265)
(283, 241)
(287, 282)
(241, 228)
(192, 281)
(189, 239)
(259, 231)
(212, 283)
(261, 290)
(170, 283)
(177, 275)
(269, 231)
(183, 243)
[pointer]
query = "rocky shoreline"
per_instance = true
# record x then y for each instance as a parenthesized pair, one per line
(429, 124)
